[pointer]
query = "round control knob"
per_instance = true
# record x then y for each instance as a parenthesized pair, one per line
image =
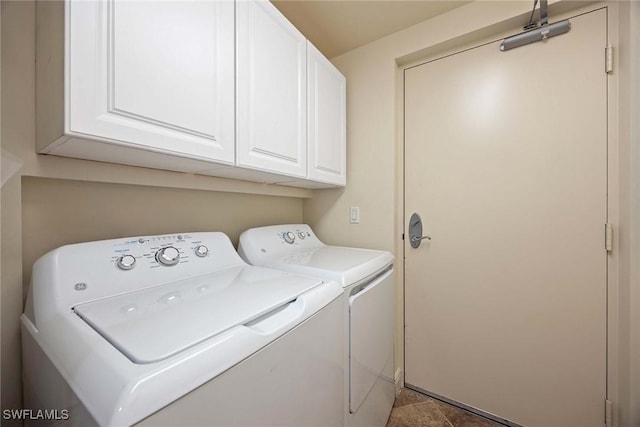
(168, 256)
(202, 251)
(289, 237)
(126, 262)
(301, 235)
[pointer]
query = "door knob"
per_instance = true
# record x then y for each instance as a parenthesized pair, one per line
(415, 231)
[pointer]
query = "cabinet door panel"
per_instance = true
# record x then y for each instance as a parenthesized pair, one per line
(271, 90)
(327, 120)
(157, 75)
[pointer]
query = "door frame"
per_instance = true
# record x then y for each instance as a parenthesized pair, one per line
(506, 27)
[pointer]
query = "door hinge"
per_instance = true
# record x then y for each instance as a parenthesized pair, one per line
(608, 237)
(608, 62)
(608, 413)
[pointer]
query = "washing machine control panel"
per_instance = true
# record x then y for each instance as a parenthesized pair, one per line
(168, 256)
(158, 251)
(289, 237)
(161, 251)
(126, 262)
(88, 271)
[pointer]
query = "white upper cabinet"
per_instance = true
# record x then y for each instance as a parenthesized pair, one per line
(327, 138)
(271, 91)
(214, 87)
(156, 76)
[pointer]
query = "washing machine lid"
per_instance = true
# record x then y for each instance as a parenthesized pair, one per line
(341, 264)
(154, 324)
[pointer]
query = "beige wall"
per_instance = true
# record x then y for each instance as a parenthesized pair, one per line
(58, 212)
(629, 238)
(633, 284)
(370, 158)
(17, 128)
(54, 201)
(374, 174)
(374, 121)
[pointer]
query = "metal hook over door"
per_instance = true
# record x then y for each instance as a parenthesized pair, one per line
(415, 231)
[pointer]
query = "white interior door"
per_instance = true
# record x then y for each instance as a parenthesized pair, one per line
(506, 162)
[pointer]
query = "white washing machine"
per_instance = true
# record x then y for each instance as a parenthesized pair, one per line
(367, 277)
(178, 330)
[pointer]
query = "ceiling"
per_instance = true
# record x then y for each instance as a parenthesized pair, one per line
(337, 26)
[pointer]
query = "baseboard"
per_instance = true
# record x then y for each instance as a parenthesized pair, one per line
(398, 380)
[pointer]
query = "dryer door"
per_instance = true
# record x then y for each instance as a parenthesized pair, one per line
(370, 338)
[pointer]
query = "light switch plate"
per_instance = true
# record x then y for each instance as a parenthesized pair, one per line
(354, 215)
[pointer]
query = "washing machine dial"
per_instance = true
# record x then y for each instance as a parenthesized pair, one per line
(289, 237)
(126, 262)
(301, 235)
(201, 251)
(168, 256)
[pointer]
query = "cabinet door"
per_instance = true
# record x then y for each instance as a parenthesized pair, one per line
(271, 90)
(327, 140)
(153, 75)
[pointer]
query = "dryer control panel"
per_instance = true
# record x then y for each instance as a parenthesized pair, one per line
(277, 240)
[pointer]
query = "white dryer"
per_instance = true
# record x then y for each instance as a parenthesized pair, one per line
(178, 330)
(367, 277)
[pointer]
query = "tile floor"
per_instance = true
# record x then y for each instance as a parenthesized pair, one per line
(413, 409)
